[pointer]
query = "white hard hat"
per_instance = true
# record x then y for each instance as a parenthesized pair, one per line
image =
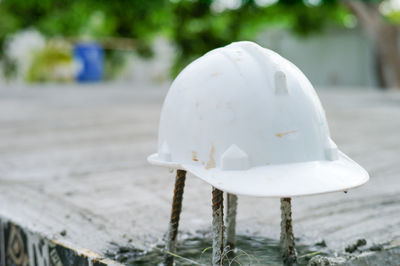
(248, 122)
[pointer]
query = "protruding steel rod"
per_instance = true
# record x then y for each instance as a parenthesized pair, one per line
(175, 214)
(217, 226)
(289, 254)
(231, 221)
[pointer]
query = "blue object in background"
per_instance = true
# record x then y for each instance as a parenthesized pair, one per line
(90, 57)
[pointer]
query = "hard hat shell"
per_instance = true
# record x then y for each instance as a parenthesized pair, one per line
(248, 121)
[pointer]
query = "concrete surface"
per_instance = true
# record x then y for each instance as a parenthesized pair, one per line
(73, 158)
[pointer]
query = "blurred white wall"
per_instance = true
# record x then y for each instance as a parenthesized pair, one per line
(337, 57)
(156, 69)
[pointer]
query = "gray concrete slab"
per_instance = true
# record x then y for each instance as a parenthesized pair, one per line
(73, 158)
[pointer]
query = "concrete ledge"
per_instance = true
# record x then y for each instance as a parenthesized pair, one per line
(73, 160)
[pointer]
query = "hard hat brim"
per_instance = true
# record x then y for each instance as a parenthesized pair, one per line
(283, 180)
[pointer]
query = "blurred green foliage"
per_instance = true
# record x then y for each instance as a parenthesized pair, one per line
(193, 26)
(135, 19)
(197, 28)
(51, 63)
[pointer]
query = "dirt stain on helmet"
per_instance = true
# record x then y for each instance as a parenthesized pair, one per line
(282, 134)
(211, 162)
(194, 156)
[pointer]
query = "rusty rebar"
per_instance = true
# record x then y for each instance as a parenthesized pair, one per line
(217, 226)
(288, 250)
(230, 221)
(175, 215)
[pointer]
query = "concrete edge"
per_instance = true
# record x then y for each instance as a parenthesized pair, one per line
(21, 246)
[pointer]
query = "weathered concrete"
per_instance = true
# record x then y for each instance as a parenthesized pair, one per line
(73, 159)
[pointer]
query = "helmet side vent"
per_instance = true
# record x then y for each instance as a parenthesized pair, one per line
(280, 83)
(164, 152)
(234, 159)
(331, 151)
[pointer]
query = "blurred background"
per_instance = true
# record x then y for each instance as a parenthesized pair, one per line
(347, 43)
(81, 88)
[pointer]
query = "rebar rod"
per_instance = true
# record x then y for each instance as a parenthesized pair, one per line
(175, 215)
(217, 226)
(288, 250)
(231, 221)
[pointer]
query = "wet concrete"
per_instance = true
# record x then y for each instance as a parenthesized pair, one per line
(196, 250)
(73, 158)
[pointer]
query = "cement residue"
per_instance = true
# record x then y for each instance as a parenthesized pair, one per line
(354, 247)
(125, 254)
(325, 261)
